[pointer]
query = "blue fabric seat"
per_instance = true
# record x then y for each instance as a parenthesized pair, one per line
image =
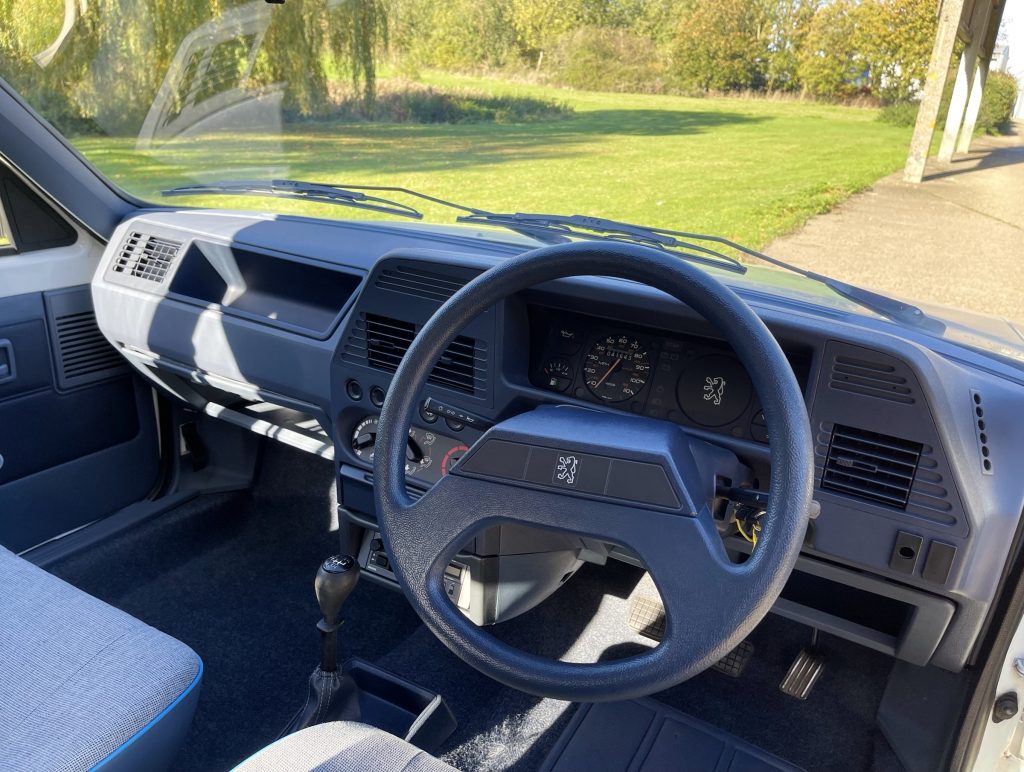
(84, 685)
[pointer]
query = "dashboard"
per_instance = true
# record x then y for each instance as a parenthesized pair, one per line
(292, 328)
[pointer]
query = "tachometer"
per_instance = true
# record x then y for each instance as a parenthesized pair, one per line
(616, 368)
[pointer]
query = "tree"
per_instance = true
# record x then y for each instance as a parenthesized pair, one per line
(537, 23)
(358, 32)
(829, 64)
(719, 46)
(788, 23)
(895, 37)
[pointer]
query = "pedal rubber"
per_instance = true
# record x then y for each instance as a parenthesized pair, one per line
(803, 673)
(647, 617)
(733, 663)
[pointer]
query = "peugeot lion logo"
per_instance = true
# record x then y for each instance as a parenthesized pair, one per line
(566, 469)
(714, 390)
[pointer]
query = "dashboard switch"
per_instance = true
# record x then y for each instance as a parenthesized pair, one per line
(427, 415)
(377, 396)
(456, 415)
(939, 562)
(354, 390)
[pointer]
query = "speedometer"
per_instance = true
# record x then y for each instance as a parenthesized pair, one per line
(616, 368)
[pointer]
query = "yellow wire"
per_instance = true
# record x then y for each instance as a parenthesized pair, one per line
(752, 538)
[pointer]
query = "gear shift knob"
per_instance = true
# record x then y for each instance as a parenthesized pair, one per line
(334, 582)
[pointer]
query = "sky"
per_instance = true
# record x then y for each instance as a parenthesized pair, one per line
(1012, 33)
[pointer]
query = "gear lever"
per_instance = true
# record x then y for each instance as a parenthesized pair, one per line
(334, 582)
(332, 695)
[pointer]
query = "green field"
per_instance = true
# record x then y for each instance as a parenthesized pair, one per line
(749, 169)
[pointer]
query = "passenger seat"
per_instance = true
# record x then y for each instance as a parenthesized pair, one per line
(84, 685)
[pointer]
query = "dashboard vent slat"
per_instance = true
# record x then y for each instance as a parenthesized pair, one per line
(871, 466)
(419, 283)
(381, 342)
(870, 379)
(146, 257)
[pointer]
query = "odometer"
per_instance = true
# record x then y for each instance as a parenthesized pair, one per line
(616, 368)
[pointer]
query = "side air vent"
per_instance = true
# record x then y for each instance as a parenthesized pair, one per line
(146, 257)
(979, 422)
(83, 354)
(418, 283)
(871, 466)
(381, 342)
(871, 379)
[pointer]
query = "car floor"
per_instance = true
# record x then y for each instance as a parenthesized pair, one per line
(231, 575)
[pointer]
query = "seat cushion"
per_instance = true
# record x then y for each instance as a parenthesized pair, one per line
(82, 683)
(342, 746)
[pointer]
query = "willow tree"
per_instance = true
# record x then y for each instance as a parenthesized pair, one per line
(359, 32)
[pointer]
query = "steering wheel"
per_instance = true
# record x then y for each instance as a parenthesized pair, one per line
(636, 482)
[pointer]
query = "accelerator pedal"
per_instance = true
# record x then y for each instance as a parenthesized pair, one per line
(803, 673)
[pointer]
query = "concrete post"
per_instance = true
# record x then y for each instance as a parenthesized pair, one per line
(963, 144)
(958, 103)
(949, 19)
(977, 31)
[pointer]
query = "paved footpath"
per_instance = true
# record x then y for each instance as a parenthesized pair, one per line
(956, 239)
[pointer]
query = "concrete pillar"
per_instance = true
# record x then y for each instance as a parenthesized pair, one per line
(963, 144)
(978, 32)
(945, 37)
(958, 103)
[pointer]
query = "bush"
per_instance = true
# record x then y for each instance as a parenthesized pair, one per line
(607, 59)
(997, 103)
(409, 102)
(899, 113)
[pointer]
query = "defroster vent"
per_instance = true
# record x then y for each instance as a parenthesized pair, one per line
(419, 282)
(871, 466)
(381, 342)
(146, 257)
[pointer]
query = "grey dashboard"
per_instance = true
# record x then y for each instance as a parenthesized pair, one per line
(292, 328)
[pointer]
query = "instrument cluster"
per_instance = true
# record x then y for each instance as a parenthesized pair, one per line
(690, 380)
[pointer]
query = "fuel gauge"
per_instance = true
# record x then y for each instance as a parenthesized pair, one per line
(557, 375)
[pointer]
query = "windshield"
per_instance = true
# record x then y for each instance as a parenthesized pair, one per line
(753, 121)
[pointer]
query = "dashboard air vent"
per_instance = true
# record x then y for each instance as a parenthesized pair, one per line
(84, 355)
(419, 283)
(871, 379)
(383, 342)
(146, 257)
(871, 466)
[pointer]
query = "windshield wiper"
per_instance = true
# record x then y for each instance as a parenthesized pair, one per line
(565, 227)
(553, 228)
(307, 191)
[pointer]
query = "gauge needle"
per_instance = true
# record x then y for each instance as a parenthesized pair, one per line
(611, 370)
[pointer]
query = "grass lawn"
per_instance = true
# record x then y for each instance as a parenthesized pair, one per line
(747, 169)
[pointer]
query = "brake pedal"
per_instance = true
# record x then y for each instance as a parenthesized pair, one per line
(803, 673)
(733, 663)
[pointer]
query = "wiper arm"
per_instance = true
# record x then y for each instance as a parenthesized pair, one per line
(580, 226)
(304, 191)
(564, 227)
